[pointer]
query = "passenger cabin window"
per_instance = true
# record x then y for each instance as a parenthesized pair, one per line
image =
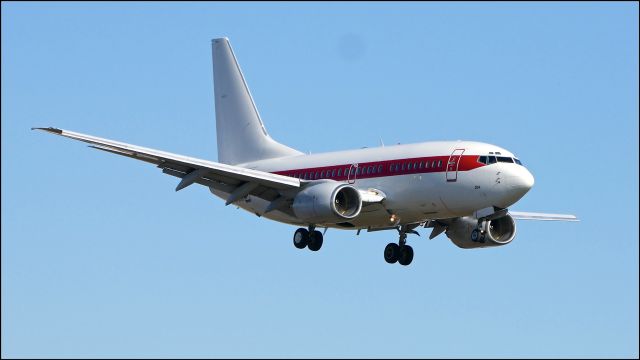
(439, 163)
(379, 168)
(433, 164)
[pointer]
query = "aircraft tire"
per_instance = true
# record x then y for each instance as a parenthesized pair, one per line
(315, 241)
(301, 238)
(475, 235)
(391, 252)
(406, 255)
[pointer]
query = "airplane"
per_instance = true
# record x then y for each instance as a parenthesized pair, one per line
(461, 188)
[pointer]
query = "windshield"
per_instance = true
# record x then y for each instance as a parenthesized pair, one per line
(491, 159)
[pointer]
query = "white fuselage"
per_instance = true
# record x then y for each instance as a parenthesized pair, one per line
(423, 181)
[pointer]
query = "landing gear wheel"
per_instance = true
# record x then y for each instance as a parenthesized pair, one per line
(315, 241)
(475, 235)
(301, 238)
(406, 255)
(391, 252)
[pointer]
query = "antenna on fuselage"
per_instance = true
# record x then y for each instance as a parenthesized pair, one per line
(381, 142)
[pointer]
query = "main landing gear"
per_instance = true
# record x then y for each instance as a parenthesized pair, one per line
(400, 252)
(308, 238)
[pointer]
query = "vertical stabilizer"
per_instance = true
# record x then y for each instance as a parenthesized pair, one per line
(242, 136)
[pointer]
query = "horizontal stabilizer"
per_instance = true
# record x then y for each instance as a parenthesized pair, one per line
(541, 216)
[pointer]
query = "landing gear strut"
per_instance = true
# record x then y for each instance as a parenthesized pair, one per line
(308, 238)
(400, 252)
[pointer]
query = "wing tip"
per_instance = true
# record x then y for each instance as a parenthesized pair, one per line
(49, 129)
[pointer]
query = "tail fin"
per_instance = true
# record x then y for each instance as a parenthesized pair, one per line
(241, 133)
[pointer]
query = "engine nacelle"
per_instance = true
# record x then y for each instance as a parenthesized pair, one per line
(495, 232)
(327, 202)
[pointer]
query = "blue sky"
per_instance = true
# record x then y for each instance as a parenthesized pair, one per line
(101, 258)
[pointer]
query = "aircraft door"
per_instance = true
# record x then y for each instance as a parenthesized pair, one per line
(351, 177)
(452, 165)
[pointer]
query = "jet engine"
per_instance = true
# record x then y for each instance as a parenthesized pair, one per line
(327, 202)
(495, 232)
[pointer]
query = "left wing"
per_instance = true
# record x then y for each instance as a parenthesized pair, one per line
(237, 181)
(518, 215)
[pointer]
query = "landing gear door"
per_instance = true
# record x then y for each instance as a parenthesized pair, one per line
(351, 177)
(452, 165)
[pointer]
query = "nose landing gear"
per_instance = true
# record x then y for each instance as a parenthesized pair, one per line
(477, 234)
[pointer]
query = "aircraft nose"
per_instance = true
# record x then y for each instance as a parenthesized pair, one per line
(521, 181)
(518, 181)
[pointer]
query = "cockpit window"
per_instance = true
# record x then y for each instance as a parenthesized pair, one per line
(490, 159)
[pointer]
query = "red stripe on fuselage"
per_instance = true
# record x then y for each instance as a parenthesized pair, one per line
(375, 169)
